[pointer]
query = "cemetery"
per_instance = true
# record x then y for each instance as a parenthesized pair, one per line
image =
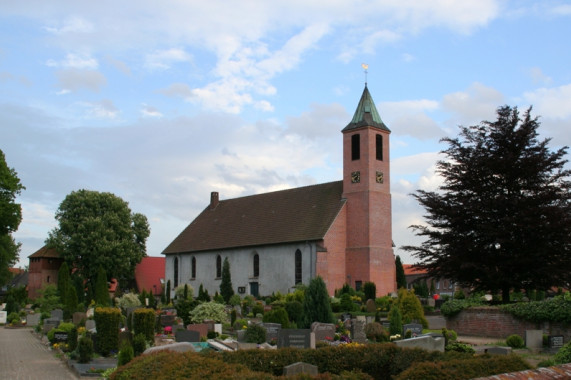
(269, 337)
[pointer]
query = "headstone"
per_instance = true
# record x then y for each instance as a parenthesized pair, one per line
(323, 331)
(176, 347)
(300, 368)
(218, 328)
(241, 336)
(57, 314)
(60, 336)
(358, 331)
(369, 319)
(415, 329)
(267, 308)
(170, 311)
(78, 317)
(386, 324)
(167, 320)
(238, 309)
(187, 336)
(33, 319)
(90, 313)
(431, 302)
(371, 306)
(426, 342)
(202, 328)
(534, 339)
(49, 324)
(497, 350)
(3, 317)
(272, 330)
(346, 317)
(296, 338)
(555, 341)
(90, 324)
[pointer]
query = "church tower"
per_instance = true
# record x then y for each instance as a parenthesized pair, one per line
(369, 254)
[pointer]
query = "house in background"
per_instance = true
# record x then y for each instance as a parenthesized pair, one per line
(19, 278)
(340, 231)
(43, 270)
(414, 276)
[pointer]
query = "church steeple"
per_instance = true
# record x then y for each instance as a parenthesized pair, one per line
(366, 114)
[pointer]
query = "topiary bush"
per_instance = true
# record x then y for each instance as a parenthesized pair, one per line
(85, 348)
(144, 323)
(255, 334)
(125, 355)
(139, 344)
(460, 347)
(515, 341)
(107, 320)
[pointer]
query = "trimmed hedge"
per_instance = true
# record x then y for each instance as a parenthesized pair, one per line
(107, 320)
(556, 309)
(144, 323)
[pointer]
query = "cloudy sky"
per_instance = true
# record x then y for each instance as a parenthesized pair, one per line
(163, 102)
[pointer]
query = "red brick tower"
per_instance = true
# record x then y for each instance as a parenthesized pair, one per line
(366, 186)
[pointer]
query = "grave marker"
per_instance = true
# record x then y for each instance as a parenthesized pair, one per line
(187, 336)
(296, 338)
(33, 319)
(57, 314)
(3, 317)
(272, 330)
(358, 331)
(323, 331)
(415, 329)
(555, 341)
(300, 368)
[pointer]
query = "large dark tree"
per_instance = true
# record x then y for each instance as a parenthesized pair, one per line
(401, 278)
(10, 218)
(501, 220)
(316, 303)
(98, 230)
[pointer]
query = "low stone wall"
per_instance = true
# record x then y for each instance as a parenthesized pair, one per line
(492, 322)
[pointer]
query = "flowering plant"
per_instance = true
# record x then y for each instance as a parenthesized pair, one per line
(395, 337)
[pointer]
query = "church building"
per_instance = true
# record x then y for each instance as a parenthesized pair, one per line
(339, 230)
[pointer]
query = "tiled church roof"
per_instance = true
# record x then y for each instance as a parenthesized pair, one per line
(300, 214)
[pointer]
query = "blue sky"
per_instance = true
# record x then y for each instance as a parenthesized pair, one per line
(161, 103)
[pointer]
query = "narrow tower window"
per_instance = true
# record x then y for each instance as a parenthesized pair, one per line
(218, 266)
(175, 272)
(379, 142)
(256, 265)
(298, 266)
(193, 268)
(355, 147)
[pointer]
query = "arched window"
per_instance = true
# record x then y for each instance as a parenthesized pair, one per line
(256, 265)
(297, 267)
(193, 267)
(175, 272)
(218, 266)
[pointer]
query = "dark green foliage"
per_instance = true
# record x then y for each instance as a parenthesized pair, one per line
(203, 295)
(125, 355)
(482, 225)
(464, 369)
(233, 316)
(515, 341)
(72, 339)
(401, 278)
(421, 289)
(316, 304)
(102, 289)
(183, 308)
(10, 218)
(395, 319)
(345, 289)
(11, 305)
(226, 290)
(460, 347)
(556, 309)
(168, 292)
(63, 288)
(347, 303)
(564, 354)
(85, 349)
(278, 315)
(255, 334)
(107, 320)
(144, 323)
(376, 333)
(370, 290)
(295, 312)
(459, 295)
(139, 344)
(454, 306)
(70, 305)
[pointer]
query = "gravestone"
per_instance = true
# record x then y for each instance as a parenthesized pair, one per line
(218, 328)
(498, 350)
(555, 341)
(346, 317)
(296, 338)
(300, 368)
(33, 319)
(386, 324)
(90, 313)
(61, 337)
(187, 336)
(415, 329)
(241, 336)
(3, 317)
(202, 328)
(272, 330)
(176, 347)
(534, 339)
(90, 324)
(77, 317)
(167, 320)
(57, 314)
(49, 324)
(358, 331)
(426, 342)
(323, 331)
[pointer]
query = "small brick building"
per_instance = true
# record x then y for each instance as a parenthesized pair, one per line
(340, 230)
(43, 270)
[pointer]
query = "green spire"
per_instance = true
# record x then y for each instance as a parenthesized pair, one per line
(366, 114)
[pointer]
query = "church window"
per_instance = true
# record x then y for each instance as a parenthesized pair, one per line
(355, 147)
(256, 265)
(48, 279)
(379, 143)
(175, 272)
(193, 267)
(297, 267)
(358, 285)
(218, 266)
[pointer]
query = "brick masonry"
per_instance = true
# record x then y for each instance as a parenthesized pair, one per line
(495, 323)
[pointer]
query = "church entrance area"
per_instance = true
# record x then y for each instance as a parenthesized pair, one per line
(254, 289)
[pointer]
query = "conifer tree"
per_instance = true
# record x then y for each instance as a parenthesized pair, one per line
(226, 290)
(63, 285)
(101, 288)
(316, 304)
(401, 278)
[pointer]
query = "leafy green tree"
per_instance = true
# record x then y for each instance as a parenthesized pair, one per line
(501, 220)
(97, 229)
(410, 308)
(10, 218)
(101, 288)
(48, 299)
(316, 304)
(226, 290)
(401, 278)
(395, 320)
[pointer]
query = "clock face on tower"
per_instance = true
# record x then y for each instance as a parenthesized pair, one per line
(379, 177)
(355, 177)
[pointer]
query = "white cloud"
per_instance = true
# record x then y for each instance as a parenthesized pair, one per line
(538, 76)
(104, 109)
(164, 59)
(477, 103)
(409, 118)
(71, 25)
(150, 111)
(74, 80)
(75, 61)
(551, 102)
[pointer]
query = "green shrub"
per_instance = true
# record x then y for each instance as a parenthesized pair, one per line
(144, 323)
(515, 341)
(72, 339)
(278, 315)
(376, 333)
(107, 320)
(295, 311)
(395, 319)
(557, 309)
(564, 354)
(255, 334)
(85, 349)
(125, 355)
(139, 344)
(460, 347)
(454, 306)
(209, 311)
